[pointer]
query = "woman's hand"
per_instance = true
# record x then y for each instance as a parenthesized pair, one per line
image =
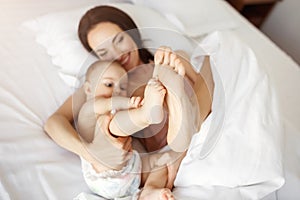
(165, 56)
(107, 151)
(178, 61)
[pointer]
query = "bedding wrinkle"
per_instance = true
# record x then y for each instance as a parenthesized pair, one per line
(263, 117)
(14, 104)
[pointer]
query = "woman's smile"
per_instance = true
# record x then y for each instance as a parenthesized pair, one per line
(125, 60)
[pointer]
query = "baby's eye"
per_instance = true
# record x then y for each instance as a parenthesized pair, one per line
(109, 84)
(123, 87)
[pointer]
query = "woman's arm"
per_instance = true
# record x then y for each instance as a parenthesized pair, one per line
(59, 126)
(60, 129)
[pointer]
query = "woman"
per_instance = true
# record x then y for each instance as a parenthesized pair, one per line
(101, 30)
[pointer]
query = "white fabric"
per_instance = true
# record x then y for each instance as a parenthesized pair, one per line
(240, 144)
(194, 17)
(31, 90)
(115, 184)
(57, 32)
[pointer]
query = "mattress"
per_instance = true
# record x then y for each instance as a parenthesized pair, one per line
(32, 166)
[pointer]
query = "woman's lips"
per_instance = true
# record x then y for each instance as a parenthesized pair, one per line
(125, 60)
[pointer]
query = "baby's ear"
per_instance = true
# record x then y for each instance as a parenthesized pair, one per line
(87, 87)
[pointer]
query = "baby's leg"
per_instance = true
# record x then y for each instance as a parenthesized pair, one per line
(153, 102)
(155, 186)
(128, 122)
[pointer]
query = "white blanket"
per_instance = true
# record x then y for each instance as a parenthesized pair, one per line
(239, 145)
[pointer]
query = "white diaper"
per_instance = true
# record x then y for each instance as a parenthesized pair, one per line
(114, 184)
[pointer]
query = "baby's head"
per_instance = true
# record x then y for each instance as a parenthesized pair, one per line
(104, 79)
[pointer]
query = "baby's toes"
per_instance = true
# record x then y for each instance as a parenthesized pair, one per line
(179, 68)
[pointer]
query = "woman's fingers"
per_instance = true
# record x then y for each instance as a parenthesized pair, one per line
(162, 55)
(127, 144)
(158, 57)
(173, 57)
(167, 53)
(165, 56)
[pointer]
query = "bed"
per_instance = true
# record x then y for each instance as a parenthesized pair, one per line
(32, 166)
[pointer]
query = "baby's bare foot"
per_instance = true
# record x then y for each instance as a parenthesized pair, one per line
(156, 194)
(153, 101)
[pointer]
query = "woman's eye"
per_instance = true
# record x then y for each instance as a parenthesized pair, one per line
(123, 88)
(102, 54)
(121, 38)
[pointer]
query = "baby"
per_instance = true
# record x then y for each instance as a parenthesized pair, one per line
(106, 91)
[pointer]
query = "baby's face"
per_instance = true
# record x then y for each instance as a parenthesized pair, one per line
(112, 82)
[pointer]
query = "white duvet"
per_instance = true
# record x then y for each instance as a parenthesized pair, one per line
(239, 145)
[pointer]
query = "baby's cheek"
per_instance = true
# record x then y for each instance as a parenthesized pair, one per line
(123, 93)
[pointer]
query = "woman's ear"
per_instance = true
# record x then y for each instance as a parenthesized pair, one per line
(87, 88)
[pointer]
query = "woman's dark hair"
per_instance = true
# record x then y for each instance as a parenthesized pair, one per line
(111, 14)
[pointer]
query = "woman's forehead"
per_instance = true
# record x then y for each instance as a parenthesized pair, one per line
(103, 32)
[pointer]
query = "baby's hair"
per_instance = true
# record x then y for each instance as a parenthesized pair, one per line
(99, 63)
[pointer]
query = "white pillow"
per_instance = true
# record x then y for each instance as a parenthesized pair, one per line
(57, 32)
(195, 17)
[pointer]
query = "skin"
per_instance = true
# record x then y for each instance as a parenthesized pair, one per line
(59, 125)
(115, 44)
(112, 82)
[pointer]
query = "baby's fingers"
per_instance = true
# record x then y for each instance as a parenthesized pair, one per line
(135, 101)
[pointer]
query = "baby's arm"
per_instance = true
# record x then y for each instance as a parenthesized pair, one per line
(93, 108)
(128, 122)
(102, 105)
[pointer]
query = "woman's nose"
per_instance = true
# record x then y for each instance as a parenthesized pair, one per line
(117, 53)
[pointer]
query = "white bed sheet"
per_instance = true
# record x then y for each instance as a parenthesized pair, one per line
(32, 166)
(284, 73)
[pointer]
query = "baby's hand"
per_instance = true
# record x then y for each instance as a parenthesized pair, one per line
(136, 101)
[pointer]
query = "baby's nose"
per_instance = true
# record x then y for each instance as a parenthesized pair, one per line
(117, 91)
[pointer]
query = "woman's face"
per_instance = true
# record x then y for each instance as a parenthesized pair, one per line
(110, 42)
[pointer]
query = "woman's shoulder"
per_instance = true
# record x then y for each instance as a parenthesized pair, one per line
(76, 101)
